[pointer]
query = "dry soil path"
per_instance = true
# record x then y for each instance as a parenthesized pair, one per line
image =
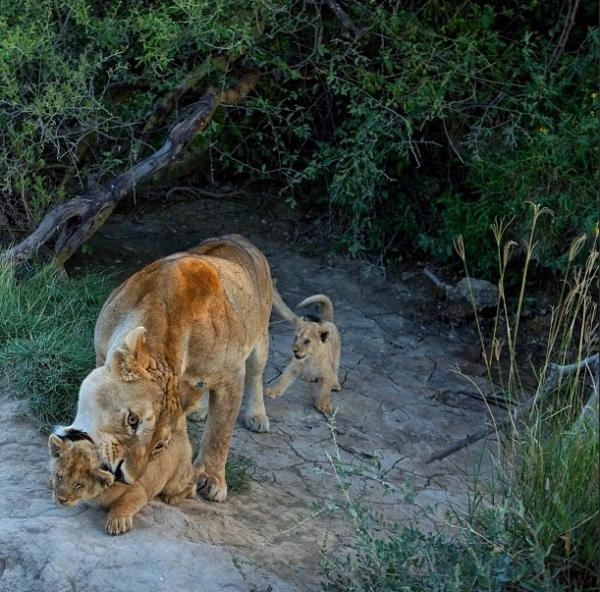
(401, 399)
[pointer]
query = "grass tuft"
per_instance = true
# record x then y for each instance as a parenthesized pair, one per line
(239, 473)
(46, 337)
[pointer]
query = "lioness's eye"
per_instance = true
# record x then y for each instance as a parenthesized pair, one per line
(77, 486)
(59, 479)
(133, 420)
(306, 341)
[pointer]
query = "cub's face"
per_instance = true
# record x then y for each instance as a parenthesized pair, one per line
(309, 338)
(76, 472)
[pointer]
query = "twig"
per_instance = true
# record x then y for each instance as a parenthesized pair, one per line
(556, 372)
(347, 25)
(564, 36)
(93, 208)
(436, 280)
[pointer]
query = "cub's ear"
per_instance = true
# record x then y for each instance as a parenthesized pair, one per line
(324, 335)
(56, 445)
(131, 358)
(105, 478)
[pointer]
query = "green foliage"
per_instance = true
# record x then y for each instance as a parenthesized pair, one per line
(46, 337)
(239, 473)
(435, 119)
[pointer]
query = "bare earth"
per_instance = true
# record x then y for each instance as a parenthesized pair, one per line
(401, 400)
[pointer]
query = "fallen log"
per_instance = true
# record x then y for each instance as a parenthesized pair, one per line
(76, 220)
(554, 375)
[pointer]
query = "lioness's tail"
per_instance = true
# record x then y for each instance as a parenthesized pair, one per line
(281, 307)
(324, 302)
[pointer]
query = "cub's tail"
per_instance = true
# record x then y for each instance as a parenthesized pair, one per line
(323, 301)
(281, 307)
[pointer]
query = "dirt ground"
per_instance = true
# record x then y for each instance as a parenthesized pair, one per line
(403, 397)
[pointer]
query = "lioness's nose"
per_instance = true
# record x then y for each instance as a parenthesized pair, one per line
(61, 500)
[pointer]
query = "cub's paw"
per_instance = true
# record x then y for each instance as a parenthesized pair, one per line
(257, 423)
(325, 407)
(118, 524)
(272, 392)
(212, 488)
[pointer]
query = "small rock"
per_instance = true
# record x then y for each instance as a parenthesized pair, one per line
(480, 293)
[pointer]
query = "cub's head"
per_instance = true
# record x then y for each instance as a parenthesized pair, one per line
(76, 471)
(124, 410)
(311, 335)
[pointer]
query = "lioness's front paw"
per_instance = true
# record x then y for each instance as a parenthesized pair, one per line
(212, 488)
(118, 524)
(272, 392)
(257, 423)
(336, 387)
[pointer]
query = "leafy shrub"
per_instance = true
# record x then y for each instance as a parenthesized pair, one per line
(435, 119)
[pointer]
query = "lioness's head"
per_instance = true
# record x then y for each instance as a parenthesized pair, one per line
(120, 407)
(309, 337)
(76, 471)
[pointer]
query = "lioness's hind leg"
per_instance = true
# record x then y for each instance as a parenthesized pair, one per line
(256, 416)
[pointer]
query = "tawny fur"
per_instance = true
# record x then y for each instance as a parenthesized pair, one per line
(316, 349)
(192, 321)
(77, 474)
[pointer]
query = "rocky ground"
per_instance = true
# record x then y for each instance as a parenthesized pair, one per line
(403, 397)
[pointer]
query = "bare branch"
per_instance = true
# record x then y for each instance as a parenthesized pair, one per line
(556, 372)
(88, 212)
(347, 25)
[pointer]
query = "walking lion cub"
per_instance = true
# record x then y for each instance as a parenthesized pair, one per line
(77, 474)
(316, 348)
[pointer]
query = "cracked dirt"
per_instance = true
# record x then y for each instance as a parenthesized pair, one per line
(401, 399)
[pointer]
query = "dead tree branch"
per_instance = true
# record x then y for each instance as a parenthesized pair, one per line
(554, 376)
(79, 218)
(564, 36)
(348, 27)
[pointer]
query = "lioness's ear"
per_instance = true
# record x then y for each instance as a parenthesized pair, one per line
(105, 478)
(324, 335)
(56, 445)
(131, 358)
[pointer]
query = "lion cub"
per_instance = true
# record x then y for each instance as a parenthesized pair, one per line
(316, 348)
(78, 475)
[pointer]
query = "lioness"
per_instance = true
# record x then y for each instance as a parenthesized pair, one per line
(77, 474)
(316, 348)
(193, 320)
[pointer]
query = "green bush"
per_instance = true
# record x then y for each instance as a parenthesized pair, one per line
(435, 119)
(46, 337)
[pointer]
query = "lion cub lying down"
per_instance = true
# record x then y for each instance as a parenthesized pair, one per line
(316, 348)
(78, 475)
